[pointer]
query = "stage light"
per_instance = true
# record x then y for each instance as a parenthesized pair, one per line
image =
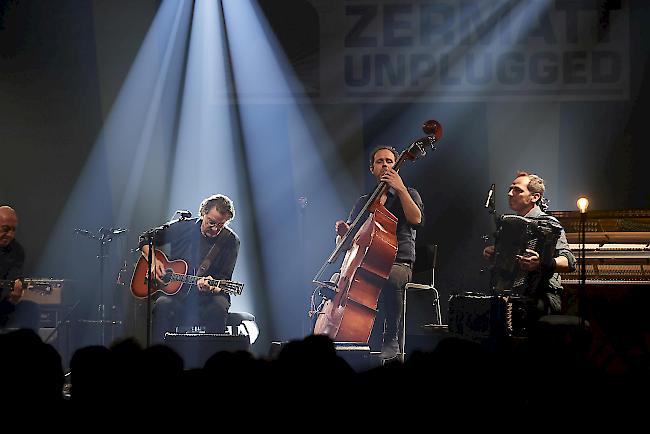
(583, 204)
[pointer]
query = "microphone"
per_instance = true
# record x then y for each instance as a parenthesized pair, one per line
(185, 214)
(490, 196)
(108, 234)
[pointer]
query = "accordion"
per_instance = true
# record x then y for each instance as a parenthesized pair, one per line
(478, 316)
(514, 235)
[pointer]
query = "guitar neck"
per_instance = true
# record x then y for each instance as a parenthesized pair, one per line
(9, 284)
(185, 278)
(226, 286)
(191, 280)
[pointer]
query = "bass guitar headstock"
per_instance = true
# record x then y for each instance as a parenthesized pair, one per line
(418, 149)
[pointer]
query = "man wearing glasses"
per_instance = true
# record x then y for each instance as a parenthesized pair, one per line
(210, 249)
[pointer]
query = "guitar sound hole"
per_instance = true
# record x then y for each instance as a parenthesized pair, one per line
(168, 276)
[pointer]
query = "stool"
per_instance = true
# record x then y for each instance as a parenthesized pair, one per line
(243, 323)
(237, 323)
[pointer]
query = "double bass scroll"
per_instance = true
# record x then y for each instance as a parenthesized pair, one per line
(350, 305)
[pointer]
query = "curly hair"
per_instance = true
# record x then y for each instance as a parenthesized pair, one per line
(221, 202)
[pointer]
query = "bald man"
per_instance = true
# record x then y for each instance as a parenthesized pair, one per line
(14, 313)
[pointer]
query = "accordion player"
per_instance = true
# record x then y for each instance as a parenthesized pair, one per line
(515, 234)
(529, 252)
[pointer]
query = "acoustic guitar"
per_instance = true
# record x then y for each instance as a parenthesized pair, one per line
(174, 278)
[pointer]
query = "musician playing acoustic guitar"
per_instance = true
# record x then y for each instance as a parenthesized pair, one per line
(525, 198)
(14, 312)
(192, 240)
(405, 204)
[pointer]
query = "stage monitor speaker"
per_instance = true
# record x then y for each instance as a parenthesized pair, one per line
(197, 348)
(357, 355)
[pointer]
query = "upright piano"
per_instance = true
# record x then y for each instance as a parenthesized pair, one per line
(616, 295)
(617, 246)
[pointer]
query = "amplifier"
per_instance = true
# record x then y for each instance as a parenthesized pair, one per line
(44, 291)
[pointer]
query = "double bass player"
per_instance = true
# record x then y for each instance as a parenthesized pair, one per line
(406, 205)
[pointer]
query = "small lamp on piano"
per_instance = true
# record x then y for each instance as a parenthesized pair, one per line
(583, 204)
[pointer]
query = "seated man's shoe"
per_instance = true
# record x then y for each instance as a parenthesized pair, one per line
(389, 350)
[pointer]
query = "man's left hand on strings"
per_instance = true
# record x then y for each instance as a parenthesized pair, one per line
(204, 286)
(392, 178)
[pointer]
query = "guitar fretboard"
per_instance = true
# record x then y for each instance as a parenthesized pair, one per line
(185, 278)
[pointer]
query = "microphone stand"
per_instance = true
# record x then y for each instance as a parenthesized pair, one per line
(583, 268)
(491, 207)
(103, 236)
(65, 320)
(102, 310)
(302, 208)
(149, 236)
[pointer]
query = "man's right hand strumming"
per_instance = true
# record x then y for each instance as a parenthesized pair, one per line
(158, 266)
(17, 292)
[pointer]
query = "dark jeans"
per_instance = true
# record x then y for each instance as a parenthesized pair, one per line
(392, 300)
(209, 311)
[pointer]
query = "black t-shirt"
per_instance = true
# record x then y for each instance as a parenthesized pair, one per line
(406, 232)
(12, 259)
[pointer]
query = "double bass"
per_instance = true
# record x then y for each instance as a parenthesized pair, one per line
(349, 305)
